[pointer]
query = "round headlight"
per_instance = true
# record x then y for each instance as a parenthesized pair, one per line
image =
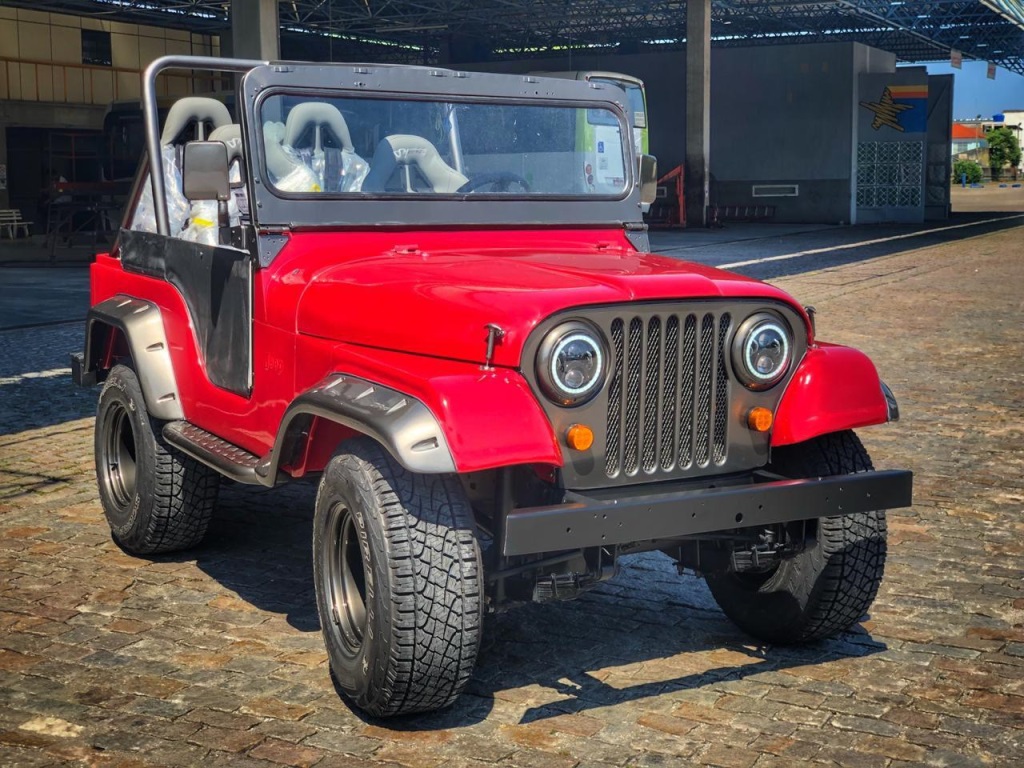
(762, 351)
(571, 363)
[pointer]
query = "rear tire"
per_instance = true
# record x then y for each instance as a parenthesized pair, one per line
(398, 582)
(827, 588)
(155, 499)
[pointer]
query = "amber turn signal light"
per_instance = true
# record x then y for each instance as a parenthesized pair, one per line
(759, 419)
(579, 437)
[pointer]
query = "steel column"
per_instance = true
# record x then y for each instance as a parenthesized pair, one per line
(698, 110)
(255, 30)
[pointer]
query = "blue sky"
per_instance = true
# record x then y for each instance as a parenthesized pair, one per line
(974, 94)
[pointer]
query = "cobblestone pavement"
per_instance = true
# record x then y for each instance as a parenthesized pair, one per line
(213, 657)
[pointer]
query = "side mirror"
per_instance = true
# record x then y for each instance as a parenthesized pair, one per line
(647, 172)
(204, 173)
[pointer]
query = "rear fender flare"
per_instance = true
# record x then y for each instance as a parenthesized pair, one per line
(142, 326)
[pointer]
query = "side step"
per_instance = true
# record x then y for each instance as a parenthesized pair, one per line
(227, 458)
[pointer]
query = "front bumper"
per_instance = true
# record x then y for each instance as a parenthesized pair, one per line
(668, 512)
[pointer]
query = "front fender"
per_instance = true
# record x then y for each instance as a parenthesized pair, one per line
(432, 415)
(835, 388)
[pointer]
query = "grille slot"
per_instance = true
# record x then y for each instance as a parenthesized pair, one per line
(668, 394)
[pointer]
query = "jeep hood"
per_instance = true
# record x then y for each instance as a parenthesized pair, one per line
(439, 303)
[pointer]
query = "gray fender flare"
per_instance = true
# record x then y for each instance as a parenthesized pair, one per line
(403, 425)
(143, 327)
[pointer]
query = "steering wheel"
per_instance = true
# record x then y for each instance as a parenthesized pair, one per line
(501, 181)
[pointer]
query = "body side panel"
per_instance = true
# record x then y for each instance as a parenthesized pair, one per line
(248, 423)
(489, 416)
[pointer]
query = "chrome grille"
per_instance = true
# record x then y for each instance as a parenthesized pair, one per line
(668, 394)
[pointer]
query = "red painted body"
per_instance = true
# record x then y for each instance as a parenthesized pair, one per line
(408, 309)
(834, 388)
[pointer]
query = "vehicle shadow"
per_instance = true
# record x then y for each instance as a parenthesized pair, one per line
(259, 545)
(647, 632)
(15, 484)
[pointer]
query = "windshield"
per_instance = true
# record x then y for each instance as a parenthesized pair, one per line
(355, 146)
(635, 94)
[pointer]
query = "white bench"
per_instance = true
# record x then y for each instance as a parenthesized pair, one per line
(11, 221)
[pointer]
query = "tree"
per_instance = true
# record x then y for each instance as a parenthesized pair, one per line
(968, 167)
(1003, 149)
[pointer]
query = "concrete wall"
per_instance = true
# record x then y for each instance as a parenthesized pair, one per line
(939, 161)
(784, 115)
(44, 83)
(41, 57)
(780, 115)
(891, 145)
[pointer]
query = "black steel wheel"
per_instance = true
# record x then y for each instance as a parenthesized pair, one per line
(345, 579)
(398, 582)
(155, 499)
(827, 587)
(117, 460)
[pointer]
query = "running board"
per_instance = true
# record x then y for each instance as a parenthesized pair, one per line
(228, 459)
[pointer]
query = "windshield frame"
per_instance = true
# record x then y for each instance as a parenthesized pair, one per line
(620, 119)
(274, 209)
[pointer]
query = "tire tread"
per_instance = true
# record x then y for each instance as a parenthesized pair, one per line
(826, 589)
(185, 491)
(435, 595)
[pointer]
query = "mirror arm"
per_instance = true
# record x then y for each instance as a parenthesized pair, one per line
(223, 223)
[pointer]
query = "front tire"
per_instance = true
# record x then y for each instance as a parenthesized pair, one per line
(826, 588)
(155, 500)
(398, 582)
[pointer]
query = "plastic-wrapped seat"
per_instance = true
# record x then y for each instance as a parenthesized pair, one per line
(287, 171)
(206, 115)
(203, 219)
(336, 168)
(231, 136)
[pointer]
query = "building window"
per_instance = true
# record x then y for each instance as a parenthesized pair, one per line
(96, 47)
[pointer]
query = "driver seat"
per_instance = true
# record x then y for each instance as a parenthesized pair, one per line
(405, 150)
(318, 115)
(200, 111)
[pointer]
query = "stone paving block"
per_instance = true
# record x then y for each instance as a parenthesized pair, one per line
(213, 657)
(337, 743)
(725, 756)
(225, 739)
(287, 753)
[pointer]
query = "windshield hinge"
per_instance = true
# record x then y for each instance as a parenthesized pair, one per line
(495, 333)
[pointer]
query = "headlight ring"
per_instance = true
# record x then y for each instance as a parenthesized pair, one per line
(762, 350)
(572, 363)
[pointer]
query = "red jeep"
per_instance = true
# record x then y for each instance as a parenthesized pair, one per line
(431, 290)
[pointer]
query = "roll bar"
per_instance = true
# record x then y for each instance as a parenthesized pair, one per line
(151, 117)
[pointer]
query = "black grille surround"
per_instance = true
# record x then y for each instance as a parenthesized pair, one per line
(671, 406)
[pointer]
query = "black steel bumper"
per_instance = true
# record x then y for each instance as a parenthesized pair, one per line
(588, 521)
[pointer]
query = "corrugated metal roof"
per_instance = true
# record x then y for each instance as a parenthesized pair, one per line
(420, 31)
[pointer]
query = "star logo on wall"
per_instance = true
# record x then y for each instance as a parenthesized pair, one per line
(887, 112)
